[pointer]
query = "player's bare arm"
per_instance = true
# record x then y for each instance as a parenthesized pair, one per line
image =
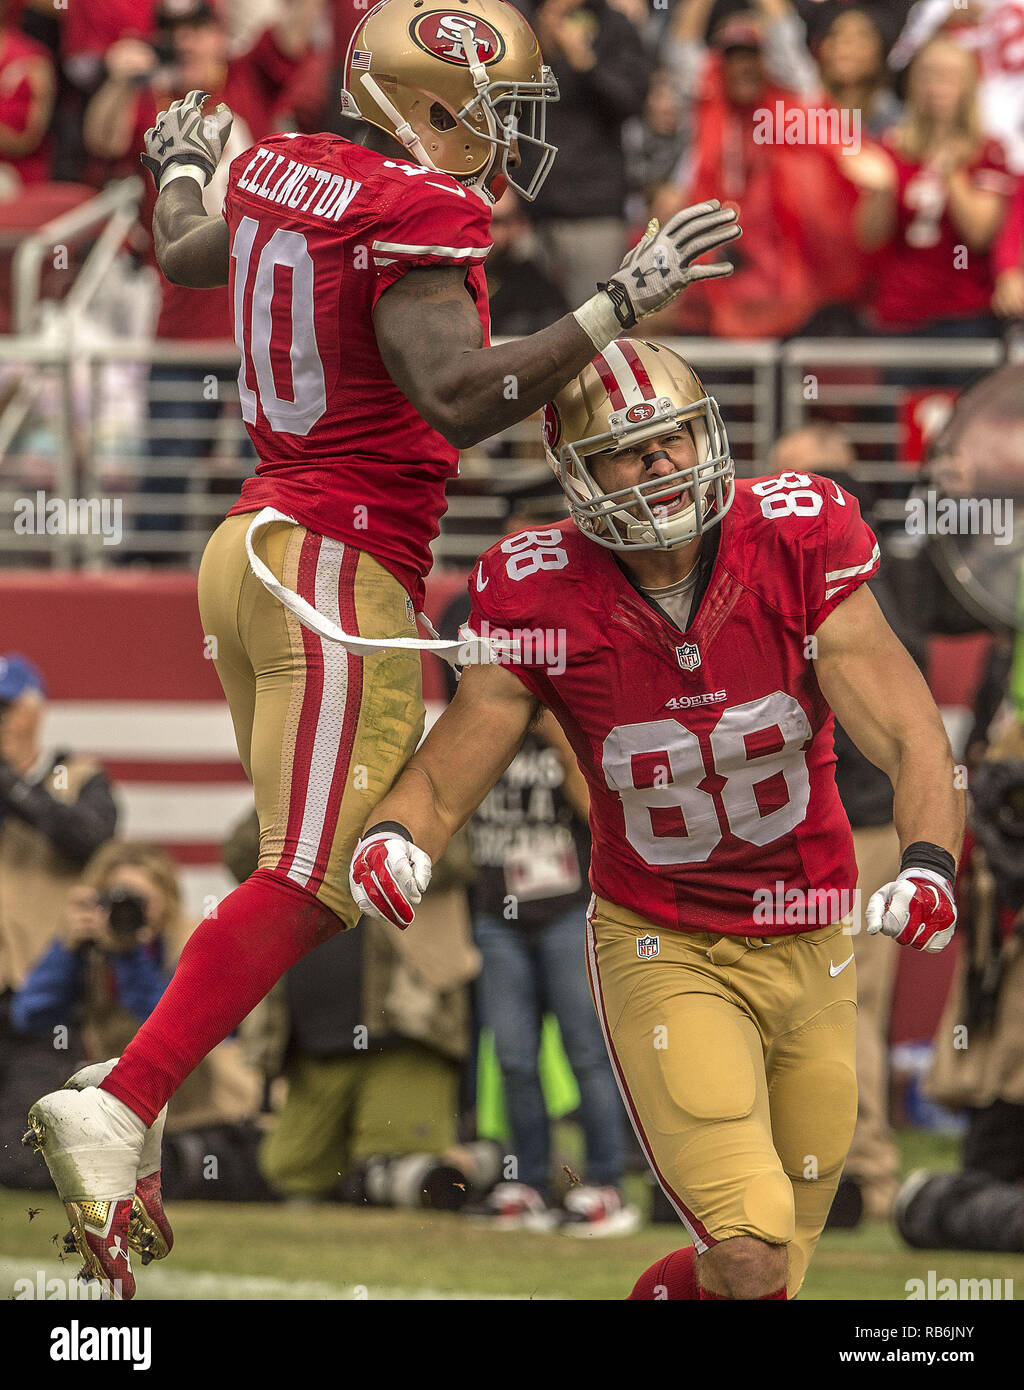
(191, 246)
(182, 152)
(430, 339)
(881, 699)
(443, 783)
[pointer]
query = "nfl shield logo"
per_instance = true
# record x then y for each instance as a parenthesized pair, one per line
(688, 656)
(647, 946)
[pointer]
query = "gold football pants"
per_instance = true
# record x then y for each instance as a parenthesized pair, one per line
(735, 1060)
(322, 734)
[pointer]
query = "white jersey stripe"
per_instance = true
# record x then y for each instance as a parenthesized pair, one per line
(831, 575)
(459, 253)
(330, 716)
(595, 984)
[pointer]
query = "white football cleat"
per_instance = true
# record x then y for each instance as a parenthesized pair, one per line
(92, 1144)
(149, 1233)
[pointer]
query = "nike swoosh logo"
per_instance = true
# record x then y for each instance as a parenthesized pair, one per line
(835, 970)
(481, 583)
(839, 496)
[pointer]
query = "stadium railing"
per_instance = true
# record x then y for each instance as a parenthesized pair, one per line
(153, 432)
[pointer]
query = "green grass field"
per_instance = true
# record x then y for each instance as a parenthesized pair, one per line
(334, 1252)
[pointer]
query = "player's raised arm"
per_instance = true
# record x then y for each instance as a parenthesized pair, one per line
(182, 152)
(882, 701)
(444, 782)
(430, 339)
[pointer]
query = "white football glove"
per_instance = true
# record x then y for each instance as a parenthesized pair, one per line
(388, 877)
(917, 909)
(659, 268)
(183, 135)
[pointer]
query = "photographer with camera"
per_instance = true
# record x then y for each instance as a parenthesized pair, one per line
(56, 810)
(104, 973)
(106, 968)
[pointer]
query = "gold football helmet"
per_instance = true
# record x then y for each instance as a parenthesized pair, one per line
(632, 392)
(463, 87)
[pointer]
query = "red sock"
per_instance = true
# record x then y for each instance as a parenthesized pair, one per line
(673, 1277)
(724, 1298)
(228, 965)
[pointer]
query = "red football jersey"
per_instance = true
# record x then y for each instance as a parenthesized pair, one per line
(708, 754)
(319, 229)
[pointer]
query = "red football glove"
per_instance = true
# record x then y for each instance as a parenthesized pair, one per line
(916, 910)
(388, 877)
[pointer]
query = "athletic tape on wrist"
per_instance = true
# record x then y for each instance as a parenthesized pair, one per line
(183, 171)
(599, 320)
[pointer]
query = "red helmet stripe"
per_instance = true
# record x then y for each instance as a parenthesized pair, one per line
(637, 367)
(609, 382)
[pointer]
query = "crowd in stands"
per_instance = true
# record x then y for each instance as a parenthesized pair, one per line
(874, 150)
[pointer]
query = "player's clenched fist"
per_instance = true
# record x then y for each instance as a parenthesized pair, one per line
(388, 877)
(660, 266)
(184, 135)
(917, 909)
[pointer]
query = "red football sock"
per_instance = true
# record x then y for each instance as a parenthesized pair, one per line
(673, 1277)
(724, 1298)
(228, 965)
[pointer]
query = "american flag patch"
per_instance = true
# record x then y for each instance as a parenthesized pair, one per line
(361, 60)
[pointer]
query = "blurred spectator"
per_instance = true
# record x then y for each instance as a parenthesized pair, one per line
(797, 254)
(603, 72)
(992, 30)
(758, 47)
(27, 88)
(370, 1031)
(105, 972)
(851, 57)
(934, 200)
(55, 810)
(654, 143)
(522, 296)
(191, 52)
(531, 845)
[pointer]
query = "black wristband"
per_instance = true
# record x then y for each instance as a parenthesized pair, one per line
(923, 855)
(621, 302)
(389, 827)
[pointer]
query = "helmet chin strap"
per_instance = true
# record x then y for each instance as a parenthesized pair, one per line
(403, 130)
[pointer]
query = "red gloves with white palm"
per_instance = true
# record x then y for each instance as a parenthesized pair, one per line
(388, 877)
(917, 909)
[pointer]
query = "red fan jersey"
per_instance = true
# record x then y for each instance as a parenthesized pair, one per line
(319, 229)
(708, 754)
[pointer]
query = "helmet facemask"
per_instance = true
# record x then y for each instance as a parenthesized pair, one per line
(630, 517)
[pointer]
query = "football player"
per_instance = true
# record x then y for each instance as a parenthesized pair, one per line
(360, 312)
(705, 630)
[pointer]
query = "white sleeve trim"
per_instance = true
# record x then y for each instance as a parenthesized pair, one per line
(848, 573)
(455, 253)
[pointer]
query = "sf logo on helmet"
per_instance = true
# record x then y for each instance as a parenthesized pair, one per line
(440, 33)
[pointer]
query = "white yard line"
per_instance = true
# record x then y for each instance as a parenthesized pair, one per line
(158, 1283)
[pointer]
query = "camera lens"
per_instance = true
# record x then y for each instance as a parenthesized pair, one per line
(127, 912)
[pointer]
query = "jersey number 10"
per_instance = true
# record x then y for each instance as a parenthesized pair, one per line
(307, 404)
